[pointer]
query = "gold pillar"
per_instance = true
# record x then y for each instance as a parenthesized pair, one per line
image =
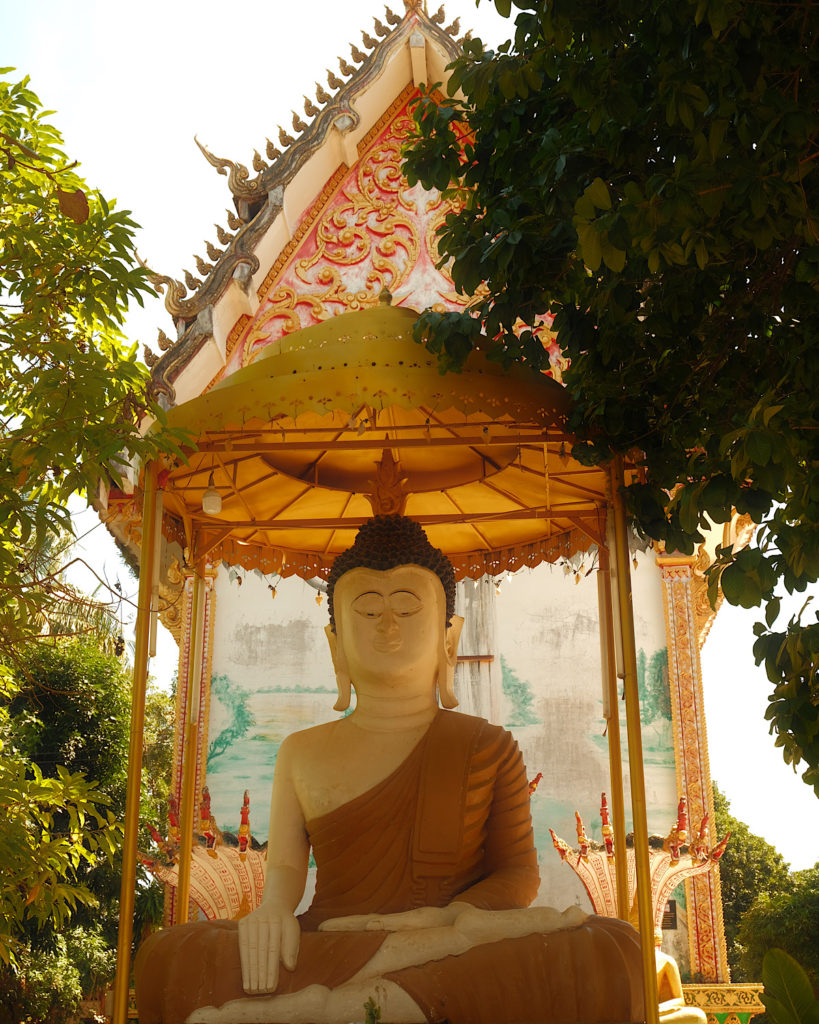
(151, 527)
(612, 716)
(188, 801)
(635, 745)
(683, 591)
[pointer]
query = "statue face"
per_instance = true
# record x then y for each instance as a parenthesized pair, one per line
(391, 624)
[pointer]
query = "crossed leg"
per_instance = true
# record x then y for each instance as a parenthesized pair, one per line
(317, 1005)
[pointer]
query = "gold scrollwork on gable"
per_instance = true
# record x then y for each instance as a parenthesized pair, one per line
(365, 239)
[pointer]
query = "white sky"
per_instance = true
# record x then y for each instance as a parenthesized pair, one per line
(133, 83)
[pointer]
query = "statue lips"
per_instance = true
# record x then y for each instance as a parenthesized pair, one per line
(387, 645)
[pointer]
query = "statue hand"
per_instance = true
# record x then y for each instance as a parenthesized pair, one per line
(408, 920)
(268, 936)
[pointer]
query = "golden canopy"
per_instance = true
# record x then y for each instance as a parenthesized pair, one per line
(351, 417)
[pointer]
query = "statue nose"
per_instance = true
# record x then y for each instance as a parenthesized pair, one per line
(387, 622)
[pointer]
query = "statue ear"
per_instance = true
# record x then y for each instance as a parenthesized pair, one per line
(341, 670)
(447, 662)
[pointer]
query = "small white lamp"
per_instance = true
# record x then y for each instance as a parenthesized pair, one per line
(211, 499)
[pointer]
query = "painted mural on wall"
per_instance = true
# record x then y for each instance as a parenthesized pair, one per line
(548, 646)
(271, 676)
(538, 675)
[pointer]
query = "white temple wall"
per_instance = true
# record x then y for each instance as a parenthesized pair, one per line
(534, 668)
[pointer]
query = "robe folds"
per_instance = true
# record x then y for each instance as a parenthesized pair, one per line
(450, 823)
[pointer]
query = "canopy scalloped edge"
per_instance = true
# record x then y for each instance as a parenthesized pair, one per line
(470, 565)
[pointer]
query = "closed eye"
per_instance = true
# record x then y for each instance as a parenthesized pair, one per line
(404, 603)
(369, 605)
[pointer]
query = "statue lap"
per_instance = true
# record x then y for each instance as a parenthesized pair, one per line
(589, 973)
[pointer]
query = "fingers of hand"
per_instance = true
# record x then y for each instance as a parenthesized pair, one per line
(259, 944)
(270, 958)
(354, 923)
(406, 921)
(291, 938)
(250, 936)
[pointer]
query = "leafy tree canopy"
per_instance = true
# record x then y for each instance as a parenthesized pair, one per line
(65, 731)
(785, 920)
(749, 867)
(641, 174)
(72, 393)
(51, 830)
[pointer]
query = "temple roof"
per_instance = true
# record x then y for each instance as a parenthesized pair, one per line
(287, 189)
(301, 415)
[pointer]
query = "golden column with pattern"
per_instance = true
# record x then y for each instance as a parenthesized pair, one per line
(682, 585)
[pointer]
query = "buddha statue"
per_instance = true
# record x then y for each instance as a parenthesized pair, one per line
(418, 819)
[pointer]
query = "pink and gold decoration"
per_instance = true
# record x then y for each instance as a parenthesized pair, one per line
(670, 859)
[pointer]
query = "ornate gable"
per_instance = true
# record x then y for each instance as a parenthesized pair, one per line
(343, 162)
(367, 232)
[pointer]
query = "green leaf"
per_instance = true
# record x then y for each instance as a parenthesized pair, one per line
(772, 611)
(788, 994)
(598, 192)
(740, 588)
(615, 259)
(589, 245)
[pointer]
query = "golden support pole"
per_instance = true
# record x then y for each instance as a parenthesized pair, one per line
(612, 716)
(150, 527)
(187, 803)
(635, 744)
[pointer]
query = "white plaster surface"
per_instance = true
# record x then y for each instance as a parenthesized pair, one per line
(272, 666)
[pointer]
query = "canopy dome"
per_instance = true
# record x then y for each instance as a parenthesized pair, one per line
(352, 416)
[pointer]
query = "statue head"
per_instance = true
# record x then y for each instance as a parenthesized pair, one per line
(396, 574)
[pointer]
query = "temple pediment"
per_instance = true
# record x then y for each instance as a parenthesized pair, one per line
(323, 226)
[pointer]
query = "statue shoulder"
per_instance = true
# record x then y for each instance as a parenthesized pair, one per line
(486, 735)
(304, 743)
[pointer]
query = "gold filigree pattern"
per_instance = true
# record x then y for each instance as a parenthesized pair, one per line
(388, 496)
(739, 1002)
(367, 239)
(704, 614)
(304, 227)
(367, 231)
(170, 600)
(705, 924)
(183, 697)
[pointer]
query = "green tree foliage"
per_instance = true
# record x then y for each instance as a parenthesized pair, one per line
(237, 711)
(67, 722)
(643, 172)
(785, 920)
(652, 681)
(749, 868)
(51, 830)
(72, 709)
(48, 984)
(157, 755)
(72, 394)
(72, 398)
(788, 997)
(71, 713)
(519, 694)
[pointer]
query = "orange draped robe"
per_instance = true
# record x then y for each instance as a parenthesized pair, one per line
(451, 822)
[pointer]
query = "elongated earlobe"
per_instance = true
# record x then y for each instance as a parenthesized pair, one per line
(447, 662)
(340, 667)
